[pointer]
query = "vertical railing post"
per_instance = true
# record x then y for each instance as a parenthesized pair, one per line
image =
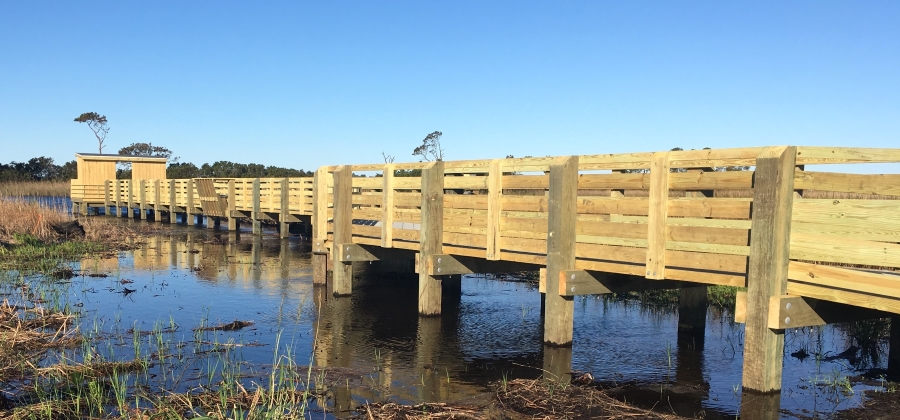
(142, 195)
(656, 223)
(431, 233)
(343, 229)
(563, 195)
(173, 202)
(130, 205)
(189, 202)
(495, 191)
(284, 226)
(320, 227)
(254, 215)
(118, 192)
(157, 200)
(107, 198)
(387, 207)
(232, 204)
(773, 194)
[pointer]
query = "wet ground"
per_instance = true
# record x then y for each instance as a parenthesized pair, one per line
(375, 344)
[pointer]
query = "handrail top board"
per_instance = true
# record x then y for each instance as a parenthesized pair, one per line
(806, 155)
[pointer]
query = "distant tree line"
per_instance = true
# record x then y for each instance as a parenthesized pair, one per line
(43, 169)
(37, 169)
(226, 169)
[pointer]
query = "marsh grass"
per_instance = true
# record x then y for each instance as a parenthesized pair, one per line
(35, 189)
(29, 243)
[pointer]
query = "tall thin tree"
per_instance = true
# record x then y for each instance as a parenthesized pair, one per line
(97, 124)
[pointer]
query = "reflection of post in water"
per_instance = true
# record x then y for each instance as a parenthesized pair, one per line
(692, 307)
(256, 260)
(428, 346)
(285, 259)
(341, 317)
(760, 406)
(173, 252)
(558, 363)
(189, 246)
(232, 251)
(321, 337)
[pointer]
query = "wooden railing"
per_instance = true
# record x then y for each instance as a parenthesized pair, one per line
(182, 192)
(751, 217)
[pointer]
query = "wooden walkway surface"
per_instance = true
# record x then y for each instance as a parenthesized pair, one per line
(809, 246)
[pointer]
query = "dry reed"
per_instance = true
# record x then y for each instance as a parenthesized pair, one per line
(23, 217)
(34, 189)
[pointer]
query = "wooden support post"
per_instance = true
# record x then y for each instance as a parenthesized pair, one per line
(233, 223)
(692, 305)
(320, 227)
(343, 229)
(387, 207)
(173, 216)
(558, 320)
(285, 210)
(118, 192)
(130, 206)
(894, 349)
(495, 191)
(107, 198)
(142, 195)
(254, 215)
(157, 203)
(773, 194)
(189, 203)
(431, 236)
(557, 365)
(656, 224)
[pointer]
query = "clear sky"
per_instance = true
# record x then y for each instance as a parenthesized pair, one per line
(304, 84)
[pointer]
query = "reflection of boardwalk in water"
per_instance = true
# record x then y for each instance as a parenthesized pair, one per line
(246, 261)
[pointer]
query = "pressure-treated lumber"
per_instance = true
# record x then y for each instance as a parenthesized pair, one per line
(430, 236)
(157, 196)
(233, 223)
(129, 205)
(791, 311)
(343, 234)
(559, 310)
(494, 207)
(447, 264)
(142, 195)
(173, 217)
(284, 213)
(387, 207)
(355, 252)
(582, 282)
(767, 275)
(656, 233)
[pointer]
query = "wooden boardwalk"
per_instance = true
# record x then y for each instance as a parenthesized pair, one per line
(810, 247)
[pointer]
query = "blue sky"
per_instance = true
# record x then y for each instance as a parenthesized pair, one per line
(303, 84)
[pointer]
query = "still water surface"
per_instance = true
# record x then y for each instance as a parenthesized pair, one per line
(376, 345)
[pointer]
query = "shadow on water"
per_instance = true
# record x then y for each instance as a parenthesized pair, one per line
(380, 350)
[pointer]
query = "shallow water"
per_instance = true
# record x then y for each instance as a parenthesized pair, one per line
(381, 350)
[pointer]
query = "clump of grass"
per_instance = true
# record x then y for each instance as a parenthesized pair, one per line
(19, 216)
(26, 334)
(35, 188)
(29, 242)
